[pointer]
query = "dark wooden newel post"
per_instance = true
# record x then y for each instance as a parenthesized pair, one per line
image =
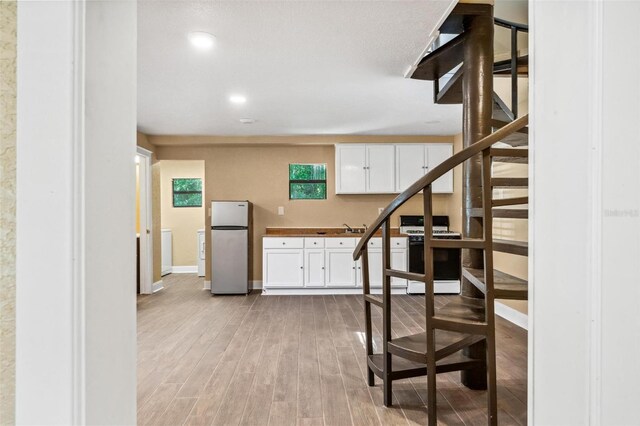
(477, 92)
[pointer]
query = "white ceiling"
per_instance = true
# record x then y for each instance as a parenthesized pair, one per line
(306, 68)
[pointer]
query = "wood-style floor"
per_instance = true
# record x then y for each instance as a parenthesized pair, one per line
(287, 360)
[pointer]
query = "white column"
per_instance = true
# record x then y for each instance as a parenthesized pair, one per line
(76, 355)
(585, 227)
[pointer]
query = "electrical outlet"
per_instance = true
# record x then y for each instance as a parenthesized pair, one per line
(281, 211)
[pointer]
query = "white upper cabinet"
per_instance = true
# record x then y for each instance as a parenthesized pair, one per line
(436, 154)
(365, 169)
(380, 168)
(389, 168)
(414, 161)
(410, 165)
(351, 169)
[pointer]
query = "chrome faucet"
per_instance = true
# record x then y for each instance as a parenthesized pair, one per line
(349, 229)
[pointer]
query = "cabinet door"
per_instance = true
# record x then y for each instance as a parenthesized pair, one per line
(359, 273)
(410, 165)
(436, 154)
(283, 268)
(399, 263)
(341, 269)
(314, 268)
(350, 169)
(375, 268)
(381, 176)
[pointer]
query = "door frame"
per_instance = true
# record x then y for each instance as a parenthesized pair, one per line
(146, 221)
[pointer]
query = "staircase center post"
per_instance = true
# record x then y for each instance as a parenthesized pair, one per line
(477, 105)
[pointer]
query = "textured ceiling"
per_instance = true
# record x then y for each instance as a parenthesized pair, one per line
(306, 68)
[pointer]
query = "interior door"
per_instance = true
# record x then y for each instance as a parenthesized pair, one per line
(436, 154)
(381, 168)
(410, 165)
(351, 167)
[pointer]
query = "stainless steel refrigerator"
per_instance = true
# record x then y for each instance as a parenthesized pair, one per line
(230, 247)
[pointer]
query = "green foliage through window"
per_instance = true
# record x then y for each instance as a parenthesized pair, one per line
(187, 192)
(307, 181)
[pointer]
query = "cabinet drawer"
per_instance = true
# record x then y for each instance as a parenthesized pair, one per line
(282, 242)
(398, 243)
(340, 242)
(375, 243)
(313, 242)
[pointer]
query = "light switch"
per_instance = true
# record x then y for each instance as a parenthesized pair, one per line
(281, 211)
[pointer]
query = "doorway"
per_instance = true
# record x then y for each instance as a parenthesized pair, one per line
(144, 221)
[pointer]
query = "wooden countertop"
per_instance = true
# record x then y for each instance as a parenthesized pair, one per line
(322, 233)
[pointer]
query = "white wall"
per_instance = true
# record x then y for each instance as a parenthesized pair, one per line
(76, 137)
(585, 228)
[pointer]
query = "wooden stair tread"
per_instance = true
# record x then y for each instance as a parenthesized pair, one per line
(414, 346)
(520, 248)
(440, 61)
(402, 368)
(502, 213)
(497, 124)
(454, 24)
(505, 286)
(516, 140)
(510, 182)
(510, 155)
(504, 67)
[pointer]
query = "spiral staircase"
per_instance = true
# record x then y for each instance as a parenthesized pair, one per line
(459, 336)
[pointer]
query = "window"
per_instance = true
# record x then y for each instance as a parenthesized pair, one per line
(187, 192)
(307, 181)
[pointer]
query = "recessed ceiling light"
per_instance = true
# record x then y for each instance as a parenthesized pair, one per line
(202, 40)
(247, 120)
(237, 99)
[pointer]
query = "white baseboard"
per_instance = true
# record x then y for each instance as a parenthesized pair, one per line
(325, 291)
(207, 285)
(157, 286)
(512, 315)
(439, 287)
(184, 269)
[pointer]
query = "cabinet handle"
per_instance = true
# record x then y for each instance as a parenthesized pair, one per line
(314, 243)
(301, 267)
(340, 243)
(323, 267)
(283, 243)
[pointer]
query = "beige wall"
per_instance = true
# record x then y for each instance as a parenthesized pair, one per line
(8, 92)
(184, 222)
(260, 174)
(143, 142)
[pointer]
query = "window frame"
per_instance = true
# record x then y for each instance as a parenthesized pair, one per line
(174, 192)
(302, 181)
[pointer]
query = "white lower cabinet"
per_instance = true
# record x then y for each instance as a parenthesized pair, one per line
(283, 268)
(341, 269)
(327, 263)
(314, 268)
